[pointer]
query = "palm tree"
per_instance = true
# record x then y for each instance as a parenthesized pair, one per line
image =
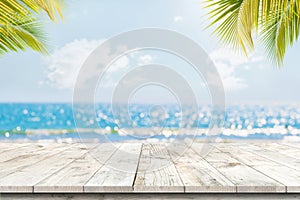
(276, 24)
(20, 28)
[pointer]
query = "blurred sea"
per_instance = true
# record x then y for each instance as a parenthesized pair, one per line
(57, 121)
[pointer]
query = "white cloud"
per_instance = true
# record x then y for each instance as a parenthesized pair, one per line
(123, 65)
(229, 78)
(227, 64)
(145, 59)
(119, 64)
(64, 63)
(178, 19)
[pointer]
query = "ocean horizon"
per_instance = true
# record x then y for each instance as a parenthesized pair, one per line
(59, 121)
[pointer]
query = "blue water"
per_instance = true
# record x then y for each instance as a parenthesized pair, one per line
(16, 119)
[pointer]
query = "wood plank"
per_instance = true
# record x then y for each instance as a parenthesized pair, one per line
(281, 149)
(22, 174)
(274, 153)
(7, 146)
(246, 179)
(156, 171)
(152, 168)
(23, 150)
(292, 144)
(283, 174)
(118, 172)
(29, 156)
(72, 177)
(196, 173)
(146, 196)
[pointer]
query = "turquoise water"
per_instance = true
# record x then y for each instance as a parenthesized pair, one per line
(19, 121)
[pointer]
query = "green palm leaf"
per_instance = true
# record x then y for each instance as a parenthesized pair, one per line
(232, 28)
(276, 23)
(21, 35)
(19, 27)
(49, 6)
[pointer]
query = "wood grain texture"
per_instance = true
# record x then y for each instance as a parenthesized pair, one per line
(118, 172)
(73, 176)
(156, 171)
(267, 163)
(239, 167)
(43, 164)
(23, 150)
(139, 196)
(246, 179)
(196, 173)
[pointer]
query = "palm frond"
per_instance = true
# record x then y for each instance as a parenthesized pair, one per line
(277, 23)
(21, 35)
(48, 6)
(19, 27)
(281, 29)
(234, 26)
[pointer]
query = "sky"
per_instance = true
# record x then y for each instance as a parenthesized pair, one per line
(31, 77)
